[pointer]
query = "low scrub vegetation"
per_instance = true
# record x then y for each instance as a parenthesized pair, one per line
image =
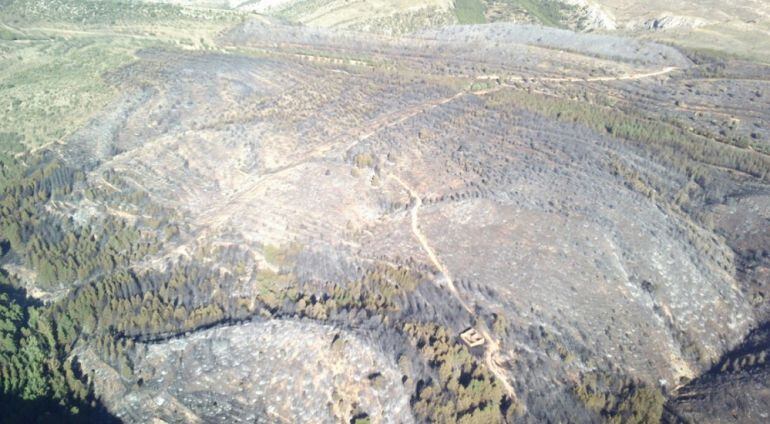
(669, 142)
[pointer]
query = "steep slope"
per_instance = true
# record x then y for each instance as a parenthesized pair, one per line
(736, 389)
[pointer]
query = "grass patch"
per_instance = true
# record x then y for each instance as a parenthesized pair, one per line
(90, 12)
(727, 41)
(51, 84)
(469, 11)
(280, 256)
(7, 34)
(547, 12)
(49, 88)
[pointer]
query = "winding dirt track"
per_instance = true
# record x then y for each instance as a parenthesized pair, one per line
(628, 77)
(219, 215)
(492, 353)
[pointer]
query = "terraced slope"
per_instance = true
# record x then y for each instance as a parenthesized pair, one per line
(292, 223)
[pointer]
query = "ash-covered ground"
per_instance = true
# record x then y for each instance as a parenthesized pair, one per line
(328, 211)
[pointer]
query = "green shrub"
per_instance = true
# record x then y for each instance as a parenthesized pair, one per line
(620, 399)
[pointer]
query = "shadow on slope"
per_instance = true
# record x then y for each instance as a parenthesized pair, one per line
(48, 410)
(736, 389)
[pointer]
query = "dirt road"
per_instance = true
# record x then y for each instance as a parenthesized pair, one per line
(492, 353)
